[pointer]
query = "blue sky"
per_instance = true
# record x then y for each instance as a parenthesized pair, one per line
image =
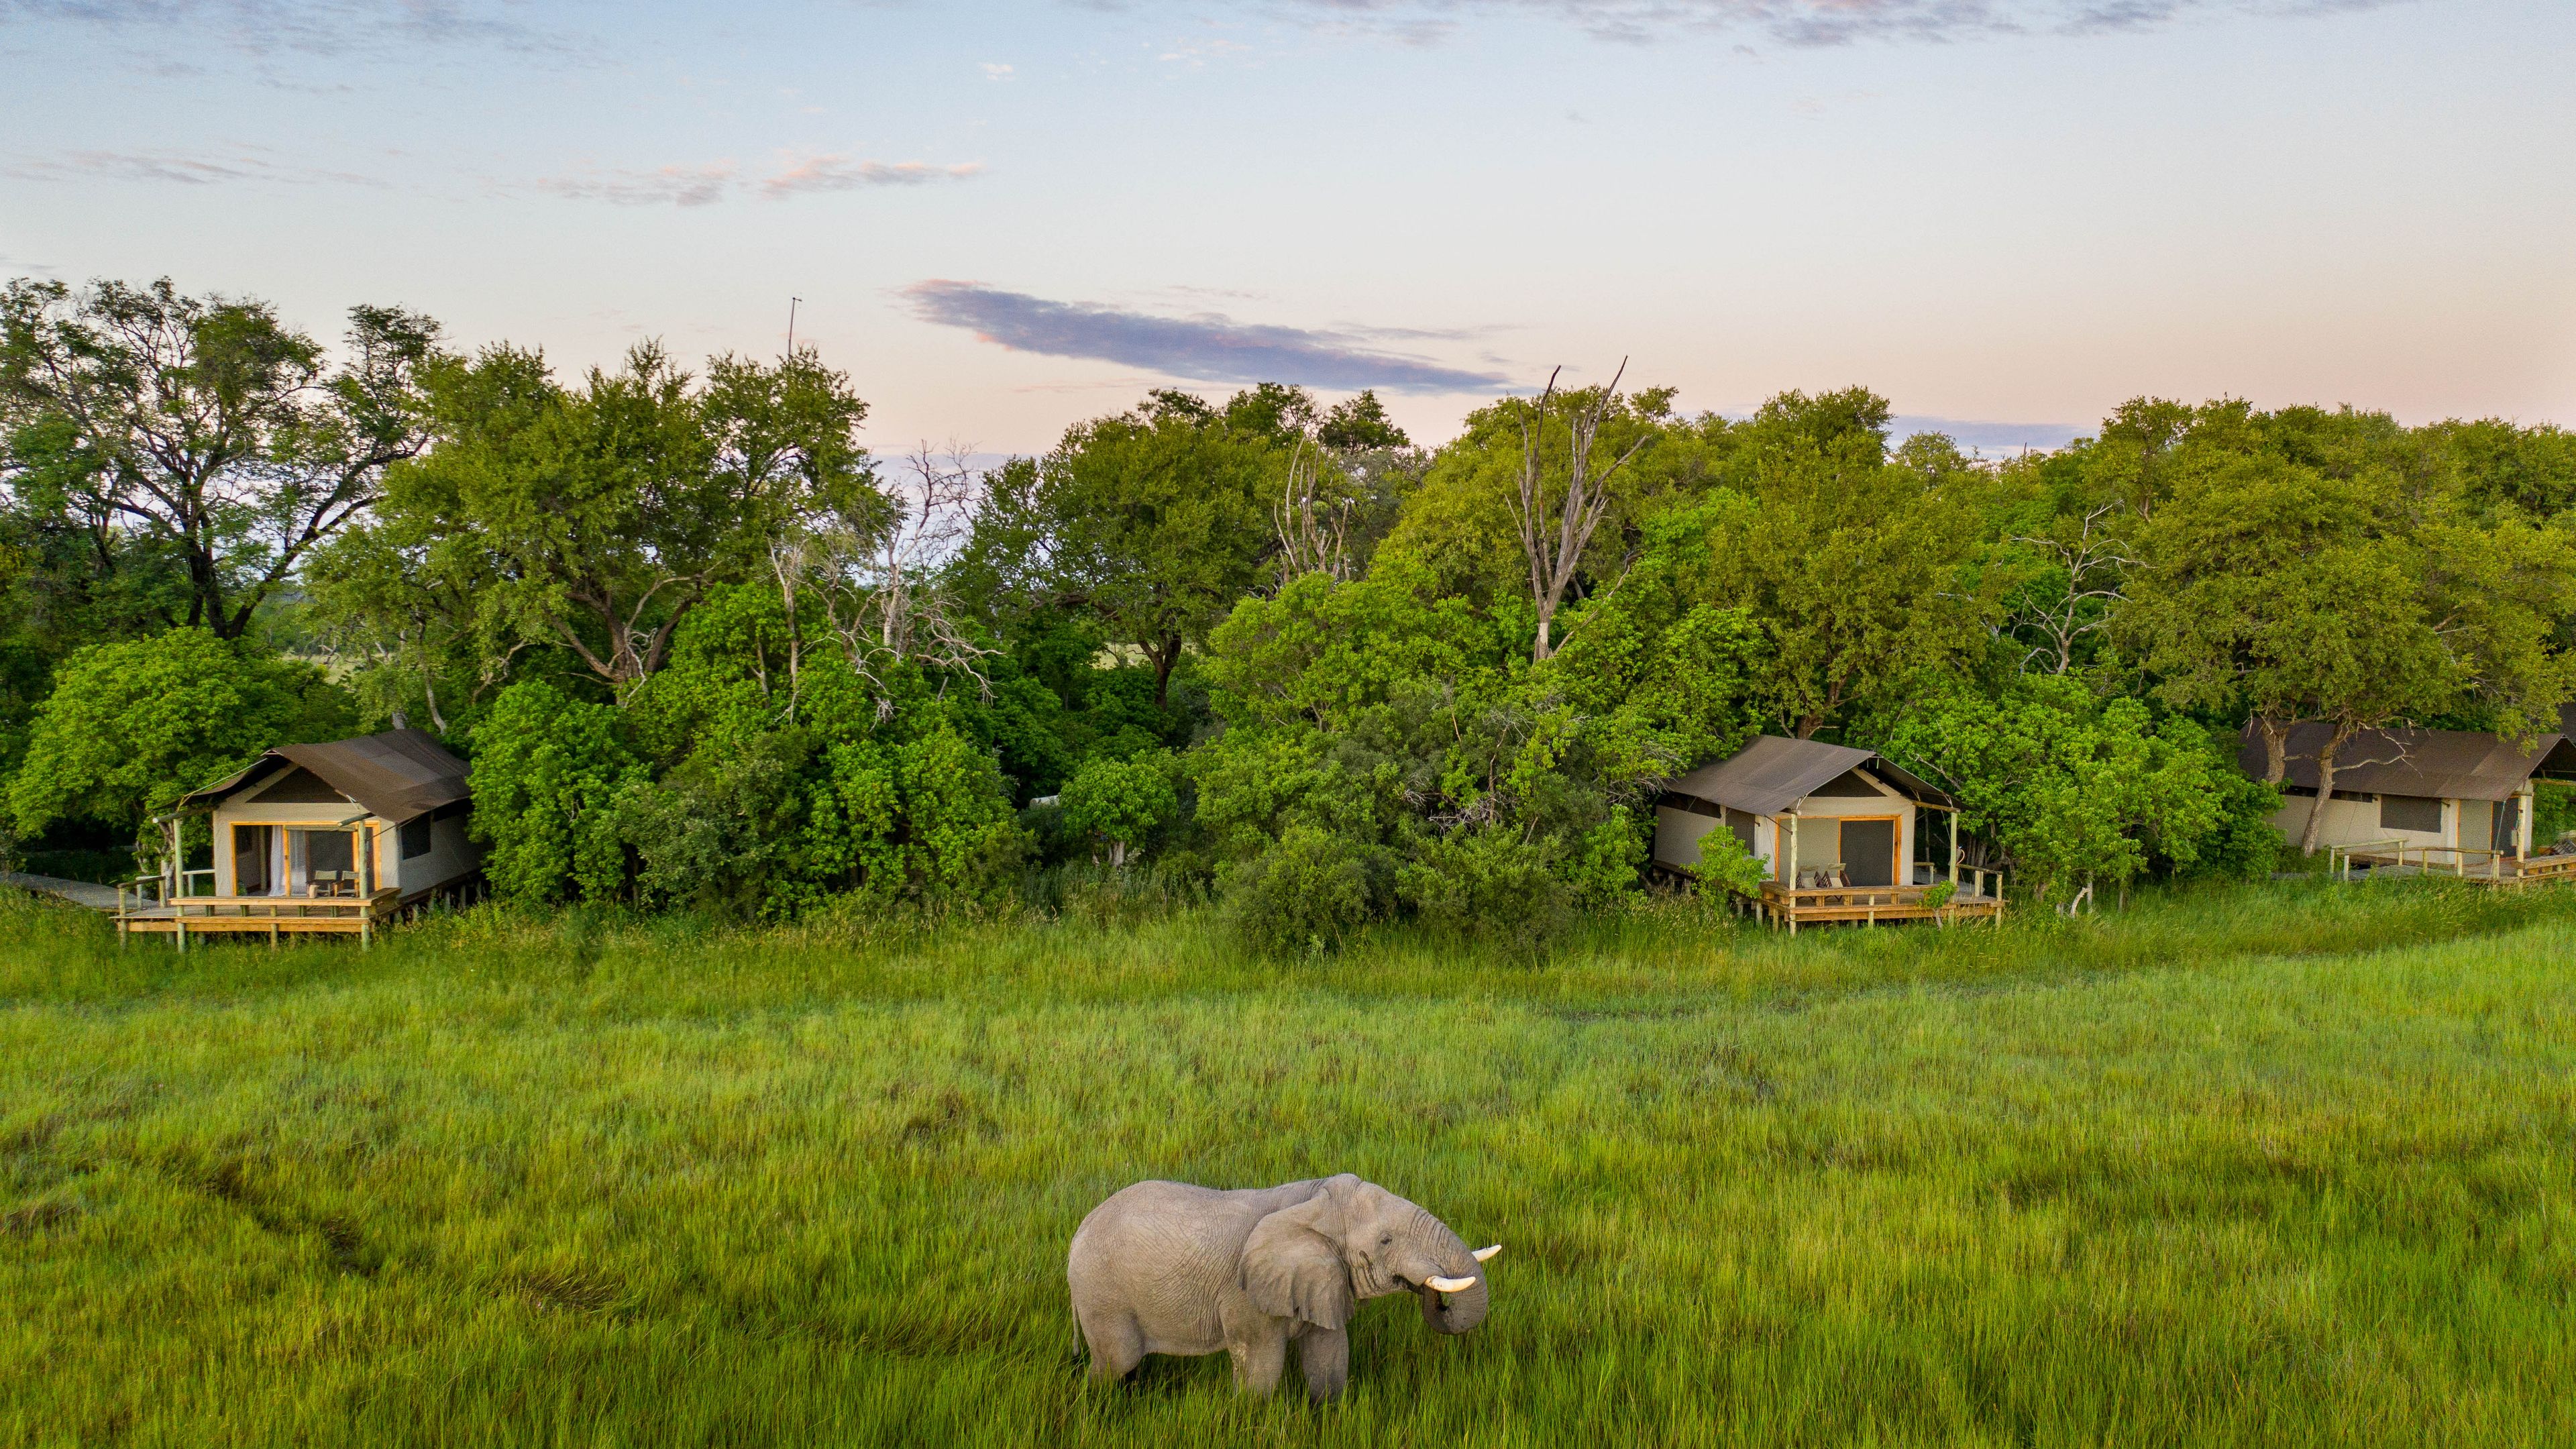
(2010, 214)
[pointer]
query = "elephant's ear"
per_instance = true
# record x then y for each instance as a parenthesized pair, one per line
(1292, 1263)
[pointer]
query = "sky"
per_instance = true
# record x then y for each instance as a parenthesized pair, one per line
(2007, 216)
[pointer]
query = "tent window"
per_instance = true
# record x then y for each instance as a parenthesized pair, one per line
(415, 837)
(2409, 812)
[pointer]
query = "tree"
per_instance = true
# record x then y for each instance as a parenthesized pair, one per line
(602, 515)
(876, 565)
(1153, 522)
(2354, 600)
(1121, 801)
(133, 725)
(1854, 566)
(1359, 424)
(207, 425)
(2072, 790)
(1457, 519)
(1557, 513)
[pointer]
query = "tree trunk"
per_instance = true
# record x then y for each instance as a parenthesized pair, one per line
(1809, 724)
(2276, 749)
(2315, 828)
(1166, 653)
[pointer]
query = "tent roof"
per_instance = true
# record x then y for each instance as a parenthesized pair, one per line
(2439, 764)
(395, 775)
(1771, 774)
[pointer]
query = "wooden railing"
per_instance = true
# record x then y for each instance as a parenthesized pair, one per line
(2460, 858)
(1869, 905)
(271, 915)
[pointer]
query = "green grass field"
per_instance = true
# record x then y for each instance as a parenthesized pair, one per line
(2278, 1165)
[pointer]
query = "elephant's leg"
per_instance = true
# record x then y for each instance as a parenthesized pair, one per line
(1260, 1357)
(1324, 1357)
(1117, 1344)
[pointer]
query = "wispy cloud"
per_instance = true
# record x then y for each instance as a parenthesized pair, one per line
(1203, 348)
(1798, 22)
(844, 173)
(386, 28)
(712, 182)
(224, 165)
(661, 186)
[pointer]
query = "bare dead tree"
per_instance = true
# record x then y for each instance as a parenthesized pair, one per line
(876, 573)
(2089, 560)
(1556, 531)
(1314, 538)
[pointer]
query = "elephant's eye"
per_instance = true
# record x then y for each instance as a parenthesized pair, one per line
(1389, 1238)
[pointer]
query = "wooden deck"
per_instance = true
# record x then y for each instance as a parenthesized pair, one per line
(2491, 868)
(270, 916)
(1871, 905)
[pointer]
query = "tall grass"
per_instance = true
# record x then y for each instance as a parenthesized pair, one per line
(2261, 1165)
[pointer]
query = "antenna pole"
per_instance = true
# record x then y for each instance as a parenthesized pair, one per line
(791, 324)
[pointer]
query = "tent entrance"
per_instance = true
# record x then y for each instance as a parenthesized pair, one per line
(322, 862)
(254, 852)
(1869, 850)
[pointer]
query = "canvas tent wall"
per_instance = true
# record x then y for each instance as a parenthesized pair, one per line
(2461, 789)
(388, 810)
(1820, 806)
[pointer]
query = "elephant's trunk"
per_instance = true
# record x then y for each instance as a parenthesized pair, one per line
(1461, 1310)
(1454, 1312)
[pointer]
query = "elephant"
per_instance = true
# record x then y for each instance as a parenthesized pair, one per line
(1166, 1267)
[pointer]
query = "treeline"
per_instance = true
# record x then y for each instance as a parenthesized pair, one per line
(707, 651)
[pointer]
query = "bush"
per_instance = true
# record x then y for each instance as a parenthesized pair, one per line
(1307, 894)
(1121, 801)
(132, 726)
(2553, 811)
(1489, 884)
(548, 770)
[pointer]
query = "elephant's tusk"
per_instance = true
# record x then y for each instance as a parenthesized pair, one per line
(1449, 1285)
(1482, 1254)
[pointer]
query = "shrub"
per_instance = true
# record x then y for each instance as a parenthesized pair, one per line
(1491, 884)
(548, 770)
(1307, 894)
(1121, 801)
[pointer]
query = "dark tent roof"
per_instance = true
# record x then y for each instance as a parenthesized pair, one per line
(395, 775)
(1771, 774)
(2439, 764)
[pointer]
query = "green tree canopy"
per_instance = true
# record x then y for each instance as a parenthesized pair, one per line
(1121, 801)
(2071, 789)
(204, 425)
(1153, 522)
(2298, 581)
(595, 518)
(132, 726)
(1853, 565)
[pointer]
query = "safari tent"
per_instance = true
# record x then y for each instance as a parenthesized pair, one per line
(2458, 801)
(1835, 828)
(323, 837)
